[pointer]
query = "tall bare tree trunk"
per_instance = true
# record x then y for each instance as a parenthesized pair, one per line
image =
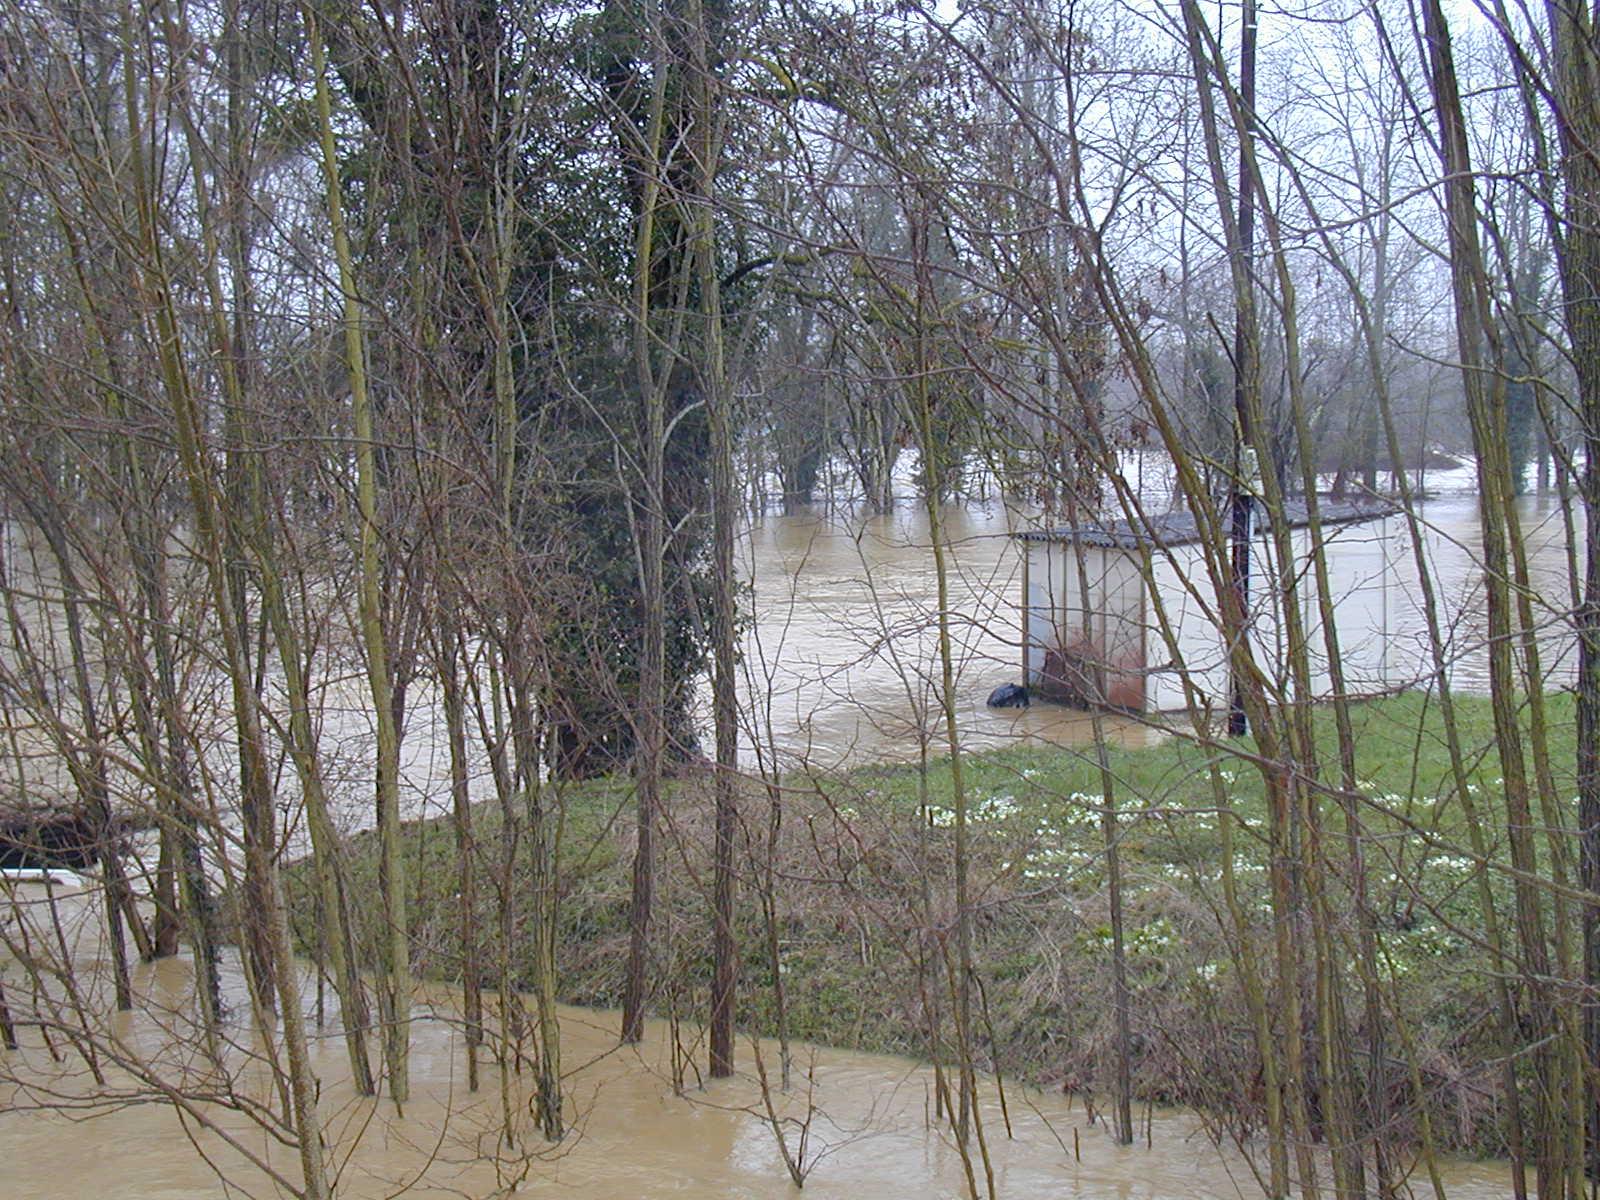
(264, 919)
(394, 985)
(724, 508)
(1577, 101)
(1246, 344)
(1485, 392)
(651, 528)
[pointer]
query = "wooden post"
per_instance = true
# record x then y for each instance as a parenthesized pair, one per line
(1027, 610)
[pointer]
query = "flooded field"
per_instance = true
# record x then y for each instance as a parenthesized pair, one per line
(840, 662)
(867, 1120)
(842, 652)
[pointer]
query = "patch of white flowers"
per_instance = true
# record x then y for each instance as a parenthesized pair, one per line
(1047, 862)
(1153, 938)
(1083, 810)
(990, 808)
(995, 808)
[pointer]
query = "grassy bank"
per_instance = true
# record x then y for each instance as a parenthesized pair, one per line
(859, 883)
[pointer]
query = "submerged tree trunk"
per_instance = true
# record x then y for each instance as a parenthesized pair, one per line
(724, 508)
(449, 660)
(264, 920)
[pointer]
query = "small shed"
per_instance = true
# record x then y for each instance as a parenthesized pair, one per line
(1096, 638)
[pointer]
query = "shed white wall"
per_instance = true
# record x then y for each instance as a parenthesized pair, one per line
(1362, 568)
(1364, 562)
(1112, 633)
(1183, 610)
(1044, 615)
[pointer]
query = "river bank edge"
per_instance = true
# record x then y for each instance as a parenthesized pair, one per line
(859, 885)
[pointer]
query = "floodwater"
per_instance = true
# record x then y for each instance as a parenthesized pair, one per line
(842, 657)
(843, 654)
(866, 1119)
(841, 665)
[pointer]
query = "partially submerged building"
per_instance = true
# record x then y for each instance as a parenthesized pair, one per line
(1140, 616)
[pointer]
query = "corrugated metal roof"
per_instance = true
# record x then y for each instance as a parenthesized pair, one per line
(1181, 528)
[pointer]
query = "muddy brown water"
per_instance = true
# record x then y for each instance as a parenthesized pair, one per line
(867, 1120)
(840, 658)
(842, 653)
(841, 662)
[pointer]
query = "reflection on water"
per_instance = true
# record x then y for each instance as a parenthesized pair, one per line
(867, 1115)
